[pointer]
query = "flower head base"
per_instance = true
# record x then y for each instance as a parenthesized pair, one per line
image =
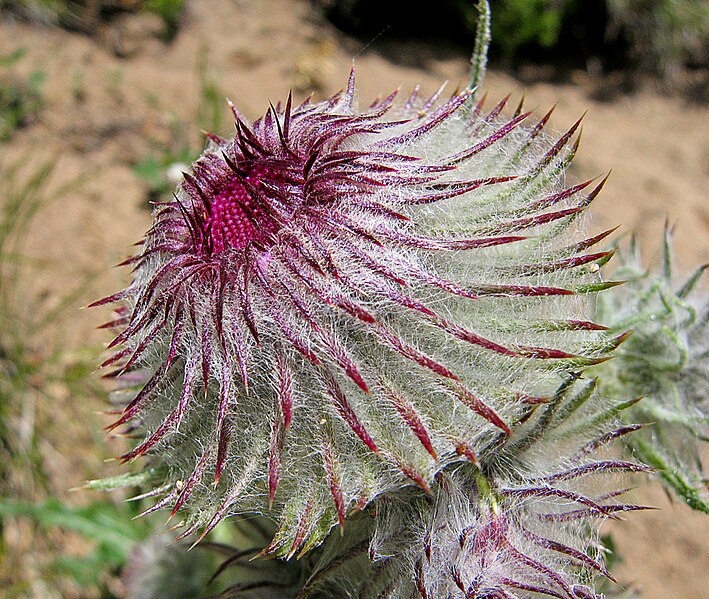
(339, 303)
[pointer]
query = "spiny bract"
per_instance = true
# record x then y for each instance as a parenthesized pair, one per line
(666, 362)
(522, 523)
(339, 302)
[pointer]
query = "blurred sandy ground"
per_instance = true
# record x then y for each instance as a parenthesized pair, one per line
(103, 111)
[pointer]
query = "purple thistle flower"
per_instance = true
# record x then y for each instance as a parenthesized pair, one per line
(337, 303)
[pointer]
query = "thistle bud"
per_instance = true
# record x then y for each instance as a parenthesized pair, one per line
(521, 522)
(666, 362)
(340, 301)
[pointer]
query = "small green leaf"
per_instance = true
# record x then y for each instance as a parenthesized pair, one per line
(669, 475)
(596, 287)
(130, 479)
(11, 58)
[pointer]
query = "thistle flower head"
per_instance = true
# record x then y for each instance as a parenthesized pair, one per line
(666, 361)
(339, 302)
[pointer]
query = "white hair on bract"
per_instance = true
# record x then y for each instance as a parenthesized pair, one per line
(339, 303)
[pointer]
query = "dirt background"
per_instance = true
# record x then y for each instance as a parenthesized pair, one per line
(113, 99)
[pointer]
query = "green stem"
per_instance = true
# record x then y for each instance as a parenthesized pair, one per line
(478, 60)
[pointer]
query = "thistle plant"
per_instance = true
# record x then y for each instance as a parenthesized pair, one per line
(378, 319)
(666, 361)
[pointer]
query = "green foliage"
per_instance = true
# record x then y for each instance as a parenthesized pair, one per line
(37, 374)
(153, 169)
(210, 111)
(72, 14)
(109, 527)
(22, 196)
(20, 97)
(152, 567)
(656, 36)
(170, 11)
(519, 23)
(666, 363)
(44, 11)
(84, 15)
(664, 34)
(20, 363)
